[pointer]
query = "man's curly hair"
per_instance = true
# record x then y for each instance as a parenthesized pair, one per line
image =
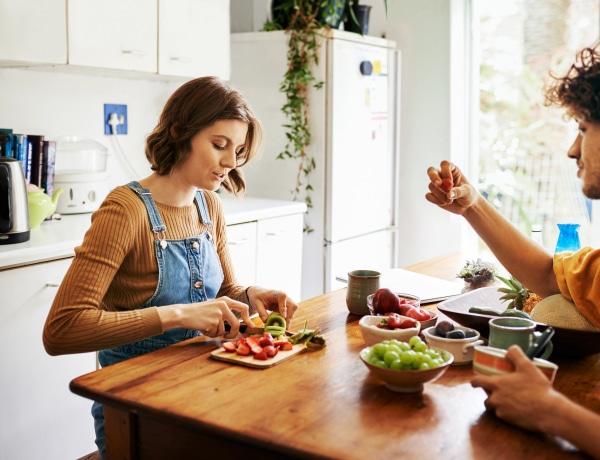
(579, 90)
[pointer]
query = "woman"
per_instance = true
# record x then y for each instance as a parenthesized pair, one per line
(153, 268)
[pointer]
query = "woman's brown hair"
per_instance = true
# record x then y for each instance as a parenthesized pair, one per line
(194, 106)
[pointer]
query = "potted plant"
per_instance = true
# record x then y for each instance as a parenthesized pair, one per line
(356, 17)
(476, 274)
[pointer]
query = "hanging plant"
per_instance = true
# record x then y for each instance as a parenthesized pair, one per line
(303, 21)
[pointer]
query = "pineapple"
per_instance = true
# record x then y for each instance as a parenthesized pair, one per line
(519, 296)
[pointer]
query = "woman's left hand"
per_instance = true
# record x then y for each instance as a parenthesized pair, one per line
(267, 300)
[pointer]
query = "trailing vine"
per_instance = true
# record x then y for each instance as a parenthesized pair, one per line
(306, 21)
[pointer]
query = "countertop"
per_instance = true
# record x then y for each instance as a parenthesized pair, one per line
(57, 239)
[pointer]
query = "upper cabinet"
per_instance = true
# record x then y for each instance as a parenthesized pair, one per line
(172, 38)
(113, 34)
(202, 48)
(33, 32)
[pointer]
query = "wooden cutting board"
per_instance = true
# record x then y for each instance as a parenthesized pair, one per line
(222, 355)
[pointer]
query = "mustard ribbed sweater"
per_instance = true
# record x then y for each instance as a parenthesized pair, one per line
(115, 271)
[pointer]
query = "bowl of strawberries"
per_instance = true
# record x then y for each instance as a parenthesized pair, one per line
(385, 301)
(376, 329)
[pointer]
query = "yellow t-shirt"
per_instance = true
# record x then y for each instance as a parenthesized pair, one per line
(578, 276)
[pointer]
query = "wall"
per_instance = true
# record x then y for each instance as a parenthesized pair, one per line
(58, 104)
(432, 114)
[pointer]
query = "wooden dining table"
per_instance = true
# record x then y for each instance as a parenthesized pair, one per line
(178, 403)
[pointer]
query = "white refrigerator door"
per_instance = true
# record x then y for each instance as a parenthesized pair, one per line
(361, 160)
(367, 252)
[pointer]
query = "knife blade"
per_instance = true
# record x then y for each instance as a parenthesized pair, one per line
(245, 329)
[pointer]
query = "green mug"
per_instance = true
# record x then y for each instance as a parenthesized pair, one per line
(507, 331)
(361, 283)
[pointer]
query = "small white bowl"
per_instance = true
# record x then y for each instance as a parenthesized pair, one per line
(492, 361)
(414, 300)
(461, 349)
(373, 334)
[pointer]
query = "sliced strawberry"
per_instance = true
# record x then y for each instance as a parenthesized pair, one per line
(243, 349)
(283, 345)
(229, 346)
(262, 355)
(254, 344)
(270, 350)
(266, 340)
(241, 340)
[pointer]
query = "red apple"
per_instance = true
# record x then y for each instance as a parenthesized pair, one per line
(385, 301)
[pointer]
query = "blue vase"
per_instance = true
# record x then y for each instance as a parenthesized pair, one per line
(568, 238)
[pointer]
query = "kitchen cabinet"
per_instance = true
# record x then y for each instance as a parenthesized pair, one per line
(141, 38)
(113, 34)
(184, 47)
(241, 242)
(40, 417)
(33, 32)
(268, 253)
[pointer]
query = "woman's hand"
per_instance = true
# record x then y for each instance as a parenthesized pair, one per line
(207, 317)
(450, 189)
(524, 397)
(266, 300)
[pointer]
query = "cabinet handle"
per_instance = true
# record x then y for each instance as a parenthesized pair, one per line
(134, 52)
(238, 242)
(52, 284)
(179, 59)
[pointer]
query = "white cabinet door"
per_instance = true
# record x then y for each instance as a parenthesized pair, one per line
(40, 417)
(33, 32)
(241, 241)
(194, 38)
(116, 34)
(279, 254)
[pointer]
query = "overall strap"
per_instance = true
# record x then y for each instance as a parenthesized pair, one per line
(202, 208)
(155, 221)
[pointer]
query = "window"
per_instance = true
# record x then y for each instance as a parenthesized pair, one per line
(523, 168)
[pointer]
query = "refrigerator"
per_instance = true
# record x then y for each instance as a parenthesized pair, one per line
(353, 120)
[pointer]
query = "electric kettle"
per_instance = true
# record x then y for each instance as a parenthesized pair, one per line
(14, 210)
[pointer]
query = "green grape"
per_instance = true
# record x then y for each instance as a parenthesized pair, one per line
(379, 349)
(407, 357)
(420, 347)
(390, 356)
(424, 366)
(379, 362)
(415, 339)
(404, 346)
(396, 365)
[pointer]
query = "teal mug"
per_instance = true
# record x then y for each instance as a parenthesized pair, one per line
(507, 331)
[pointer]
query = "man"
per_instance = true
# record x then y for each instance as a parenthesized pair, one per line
(526, 398)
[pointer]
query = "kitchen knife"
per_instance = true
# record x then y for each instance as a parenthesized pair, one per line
(245, 329)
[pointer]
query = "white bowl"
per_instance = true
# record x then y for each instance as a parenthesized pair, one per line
(414, 300)
(373, 334)
(407, 381)
(492, 361)
(461, 349)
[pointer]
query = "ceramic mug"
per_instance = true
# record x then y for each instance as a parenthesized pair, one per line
(507, 331)
(361, 283)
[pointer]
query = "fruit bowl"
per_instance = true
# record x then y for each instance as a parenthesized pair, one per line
(461, 349)
(373, 334)
(407, 381)
(413, 300)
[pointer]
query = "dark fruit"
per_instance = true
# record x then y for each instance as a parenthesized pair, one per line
(456, 334)
(443, 327)
(385, 301)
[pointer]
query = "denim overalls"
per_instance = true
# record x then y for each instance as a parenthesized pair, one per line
(189, 271)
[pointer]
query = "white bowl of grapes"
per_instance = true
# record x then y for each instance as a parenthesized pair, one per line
(406, 367)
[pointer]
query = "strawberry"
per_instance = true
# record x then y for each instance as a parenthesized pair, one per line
(262, 355)
(243, 349)
(284, 345)
(254, 345)
(270, 350)
(229, 346)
